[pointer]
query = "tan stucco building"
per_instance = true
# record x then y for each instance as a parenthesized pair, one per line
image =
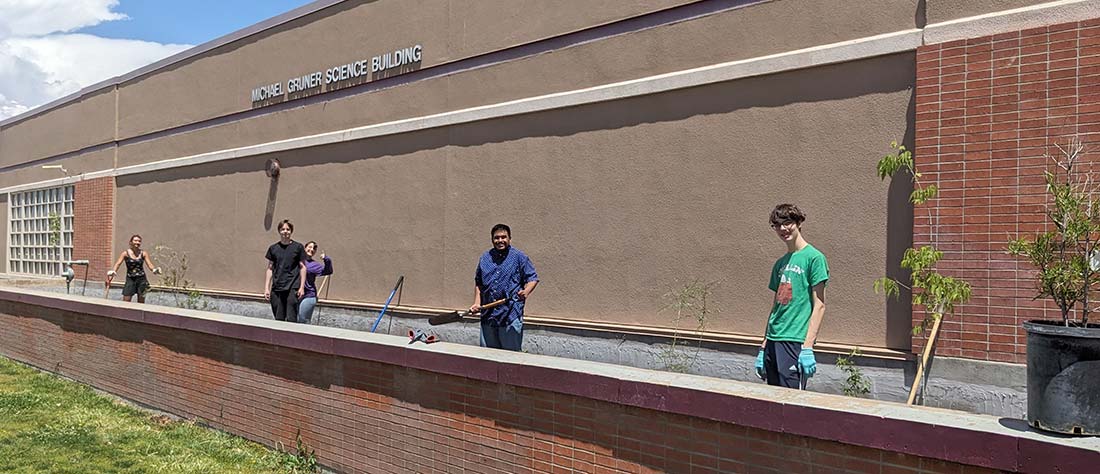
(632, 147)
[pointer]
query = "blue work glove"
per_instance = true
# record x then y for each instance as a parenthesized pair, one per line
(760, 364)
(807, 364)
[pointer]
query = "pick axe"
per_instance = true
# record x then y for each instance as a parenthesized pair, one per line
(458, 315)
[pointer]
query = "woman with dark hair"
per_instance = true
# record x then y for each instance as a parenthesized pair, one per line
(313, 270)
(284, 283)
(136, 260)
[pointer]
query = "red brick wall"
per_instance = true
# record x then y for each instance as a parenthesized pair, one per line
(367, 416)
(988, 110)
(94, 224)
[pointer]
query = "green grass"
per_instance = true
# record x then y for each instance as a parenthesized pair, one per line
(52, 425)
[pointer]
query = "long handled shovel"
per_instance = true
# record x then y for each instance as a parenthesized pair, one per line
(323, 283)
(387, 305)
(107, 288)
(458, 315)
(317, 311)
(84, 287)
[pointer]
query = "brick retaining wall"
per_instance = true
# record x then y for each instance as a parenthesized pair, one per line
(372, 403)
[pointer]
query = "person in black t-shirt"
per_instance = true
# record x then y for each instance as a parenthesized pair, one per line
(285, 280)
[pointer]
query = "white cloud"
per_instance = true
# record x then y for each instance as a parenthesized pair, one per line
(9, 108)
(42, 17)
(39, 62)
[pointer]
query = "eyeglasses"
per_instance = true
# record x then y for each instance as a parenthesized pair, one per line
(783, 224)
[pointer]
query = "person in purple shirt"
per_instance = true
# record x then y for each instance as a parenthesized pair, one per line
(503, 272)
(313, 269)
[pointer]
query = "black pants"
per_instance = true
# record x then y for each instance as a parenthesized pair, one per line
(284, 305)
(781, 364)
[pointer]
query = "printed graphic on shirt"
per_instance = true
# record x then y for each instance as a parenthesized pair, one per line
(784, 294)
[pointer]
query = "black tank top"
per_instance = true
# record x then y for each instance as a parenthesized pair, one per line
(135, 267)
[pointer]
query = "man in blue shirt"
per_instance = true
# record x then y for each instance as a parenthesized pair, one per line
(504, 273)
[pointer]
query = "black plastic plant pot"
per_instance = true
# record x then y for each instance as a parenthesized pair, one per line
(1063, 377)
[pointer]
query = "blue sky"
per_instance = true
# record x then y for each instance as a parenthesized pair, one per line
(187, 22)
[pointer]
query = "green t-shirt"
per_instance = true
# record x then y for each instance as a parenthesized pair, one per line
(793, 277)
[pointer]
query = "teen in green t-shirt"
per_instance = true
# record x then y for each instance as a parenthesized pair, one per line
(798, 278)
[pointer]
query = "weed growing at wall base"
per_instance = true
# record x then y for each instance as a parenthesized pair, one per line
(688, 304)
(855, 384)
(304, 459)
(175, 279)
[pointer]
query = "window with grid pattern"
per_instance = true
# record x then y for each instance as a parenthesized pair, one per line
(33, 247)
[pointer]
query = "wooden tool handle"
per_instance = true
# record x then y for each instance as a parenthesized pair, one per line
(457, 316)
(495, 303)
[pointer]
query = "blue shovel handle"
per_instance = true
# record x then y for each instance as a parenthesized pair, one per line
(376, 321)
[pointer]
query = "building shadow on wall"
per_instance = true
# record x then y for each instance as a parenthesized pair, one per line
(899, 237)
(885, 74)
(272, 196)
